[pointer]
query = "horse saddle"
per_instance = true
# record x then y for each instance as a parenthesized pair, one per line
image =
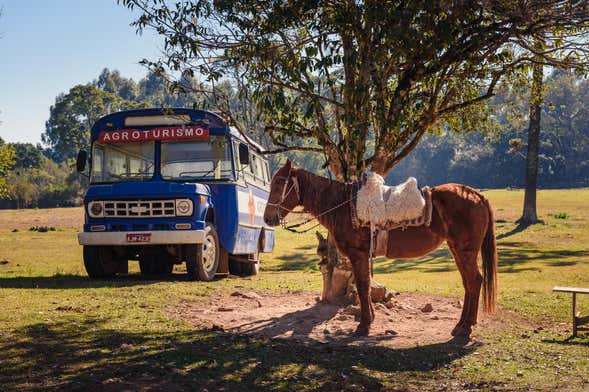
(389, 207)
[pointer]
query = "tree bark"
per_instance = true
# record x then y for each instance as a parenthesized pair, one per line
(338, 275)
(529, 215)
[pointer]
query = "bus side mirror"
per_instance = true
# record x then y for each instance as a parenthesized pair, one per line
(81, 160)
(244, 154)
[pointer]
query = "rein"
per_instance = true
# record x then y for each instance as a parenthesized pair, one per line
(292, 228)
(285, 192)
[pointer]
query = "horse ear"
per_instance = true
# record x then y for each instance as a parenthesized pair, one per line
(319, 236)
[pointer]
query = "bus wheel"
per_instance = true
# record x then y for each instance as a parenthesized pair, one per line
(100, 261)
(155, 264)
(202, 260)
(244, 268)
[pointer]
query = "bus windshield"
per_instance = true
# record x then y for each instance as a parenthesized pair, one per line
(122, 162)
(208, 159)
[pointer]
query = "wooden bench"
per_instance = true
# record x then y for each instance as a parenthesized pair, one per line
(578, 321)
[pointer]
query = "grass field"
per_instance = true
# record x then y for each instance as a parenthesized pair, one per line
(60, 330)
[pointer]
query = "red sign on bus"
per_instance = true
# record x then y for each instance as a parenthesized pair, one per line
(165, 133)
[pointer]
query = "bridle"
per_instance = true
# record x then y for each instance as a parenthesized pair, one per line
(286, 190)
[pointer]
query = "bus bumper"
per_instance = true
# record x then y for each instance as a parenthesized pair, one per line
(159, 237)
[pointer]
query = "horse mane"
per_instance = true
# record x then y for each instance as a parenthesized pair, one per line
(319, 194)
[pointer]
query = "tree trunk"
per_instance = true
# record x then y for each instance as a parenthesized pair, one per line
(529, 215)
(338, 275)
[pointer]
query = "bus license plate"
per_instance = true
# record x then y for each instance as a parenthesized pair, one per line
(139, 237)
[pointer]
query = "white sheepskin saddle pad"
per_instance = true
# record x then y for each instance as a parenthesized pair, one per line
(389, 206)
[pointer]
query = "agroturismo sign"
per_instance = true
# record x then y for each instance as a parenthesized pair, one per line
(166, 133)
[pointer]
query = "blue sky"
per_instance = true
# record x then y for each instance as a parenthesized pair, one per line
(47, 47)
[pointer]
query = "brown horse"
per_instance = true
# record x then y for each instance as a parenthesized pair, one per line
(461, 216)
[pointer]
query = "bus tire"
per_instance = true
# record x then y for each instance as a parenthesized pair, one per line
(202, 260)
(244, 268)
(100, 262)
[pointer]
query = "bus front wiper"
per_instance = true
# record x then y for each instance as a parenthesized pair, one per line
(128, 175)
(194, 174)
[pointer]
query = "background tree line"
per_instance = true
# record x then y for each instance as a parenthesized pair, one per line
(497, 160)
(43, 175)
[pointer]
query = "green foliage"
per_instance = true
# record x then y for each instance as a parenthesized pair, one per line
(27, 155)
(350, 74)
(49, 185)
(560, 215)
(7, 155)
(112, 82)
(72, 116)
(498, 161)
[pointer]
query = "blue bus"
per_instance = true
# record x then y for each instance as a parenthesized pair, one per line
(171, 186)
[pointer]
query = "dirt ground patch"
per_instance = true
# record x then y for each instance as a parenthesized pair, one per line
(407, 320)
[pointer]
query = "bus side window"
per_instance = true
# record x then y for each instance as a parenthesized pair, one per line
(254, 167)
(267, 173)
(250, 169)
(260, 172)
(257, 167)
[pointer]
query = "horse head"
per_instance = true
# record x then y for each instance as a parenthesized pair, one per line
(284, 195)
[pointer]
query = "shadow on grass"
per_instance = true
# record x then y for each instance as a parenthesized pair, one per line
(437, 261)
(515, 230)
(520, 226)
(581, 340)
(79, 281)
(562, 263)
(83, 355)
(513, 255)
(306, 247)
(295, 262)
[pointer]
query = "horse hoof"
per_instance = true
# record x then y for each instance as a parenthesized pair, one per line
(362, 330)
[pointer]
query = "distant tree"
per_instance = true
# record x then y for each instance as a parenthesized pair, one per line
(364, 80)
(564, 160)
(72, 116)
(49, 185)
(529, 214)
(6, 165)
(154, 90)
(21, 189)
(27, 155)
(114, 83)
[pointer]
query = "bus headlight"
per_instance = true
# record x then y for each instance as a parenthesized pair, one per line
(96, 209)
(183, 207)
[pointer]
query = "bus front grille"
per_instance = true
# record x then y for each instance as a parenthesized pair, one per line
(140, 209)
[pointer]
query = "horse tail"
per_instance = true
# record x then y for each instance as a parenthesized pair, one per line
(489, 255)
